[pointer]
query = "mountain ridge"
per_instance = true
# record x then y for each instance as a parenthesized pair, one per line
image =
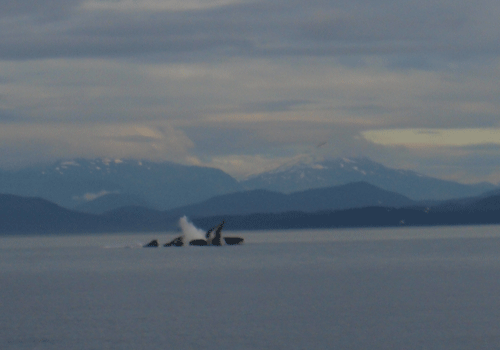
(356, 194)
(306, 175)
(162, 185)
(98, 185)
(36, 215)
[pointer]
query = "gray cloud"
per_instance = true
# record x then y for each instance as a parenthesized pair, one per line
(36, 10)
(247, 81)
(273, 138)
(272, 106)
(468, 164)
(367, 109)
(247, 29)
(8, 116)
(133, 139)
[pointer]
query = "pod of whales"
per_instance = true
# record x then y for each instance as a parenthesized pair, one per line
(213, 238)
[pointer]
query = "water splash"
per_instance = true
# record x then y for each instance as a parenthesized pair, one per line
(189, 231)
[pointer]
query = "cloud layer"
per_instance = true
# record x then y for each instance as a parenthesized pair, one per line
(245, 85)
(194, 29)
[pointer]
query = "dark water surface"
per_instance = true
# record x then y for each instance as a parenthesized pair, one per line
(346, 289)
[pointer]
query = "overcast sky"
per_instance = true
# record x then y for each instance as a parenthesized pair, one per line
(248, 85)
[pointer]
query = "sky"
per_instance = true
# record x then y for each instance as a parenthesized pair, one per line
(246, 86)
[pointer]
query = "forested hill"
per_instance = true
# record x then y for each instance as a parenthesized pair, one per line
(37, 216)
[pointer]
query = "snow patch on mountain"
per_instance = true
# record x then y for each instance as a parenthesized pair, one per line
(318, 166)
(306, 175)
(87, 197)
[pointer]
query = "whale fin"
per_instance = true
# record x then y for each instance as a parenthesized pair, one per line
(217, 240)
(207, 235)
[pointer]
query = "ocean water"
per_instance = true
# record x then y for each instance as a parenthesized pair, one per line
(411, 288)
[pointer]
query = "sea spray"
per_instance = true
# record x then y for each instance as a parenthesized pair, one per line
(189, 231)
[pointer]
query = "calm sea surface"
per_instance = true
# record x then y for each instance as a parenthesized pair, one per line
(412, 288)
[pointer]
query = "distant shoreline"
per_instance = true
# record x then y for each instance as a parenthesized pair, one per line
(370, 217)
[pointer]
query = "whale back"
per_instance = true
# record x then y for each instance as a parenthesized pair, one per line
(176, 242)
(152, 244)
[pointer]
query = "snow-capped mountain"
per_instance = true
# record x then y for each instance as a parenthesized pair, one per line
(115, 183)
(162, 185)
(306, 175)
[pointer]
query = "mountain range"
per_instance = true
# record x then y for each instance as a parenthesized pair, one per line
(353, 205)
(103, 195)
(306, 175)
(99, 185)
(352, 195)
(163, 186)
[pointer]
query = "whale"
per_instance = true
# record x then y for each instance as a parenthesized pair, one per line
(179, 242)
(176, 242)
(213, 238)
(233, 240)
(216, 238)
(198, 242)
(152, 244)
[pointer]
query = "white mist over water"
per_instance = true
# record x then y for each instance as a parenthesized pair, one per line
(189, 231)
